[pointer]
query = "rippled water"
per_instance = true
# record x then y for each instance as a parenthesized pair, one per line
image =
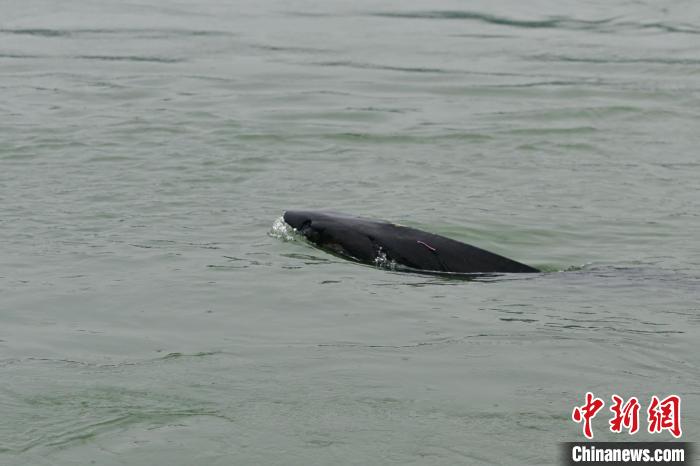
(147, 316)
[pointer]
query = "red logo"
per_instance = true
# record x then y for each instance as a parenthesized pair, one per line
(587, 412)
(661, 414)
(626, 415)
(665, 415)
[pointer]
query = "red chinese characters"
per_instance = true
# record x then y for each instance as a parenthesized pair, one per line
(587, 412)
(661, 414)
(626, 415)
(665, 415)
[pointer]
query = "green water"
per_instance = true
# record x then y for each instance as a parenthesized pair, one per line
(148, 316)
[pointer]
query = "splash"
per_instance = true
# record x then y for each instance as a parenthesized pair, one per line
(281, 230)
(384, 262)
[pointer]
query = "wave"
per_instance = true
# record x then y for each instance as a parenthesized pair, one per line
(618, 60)
(127, 58)
(47, 32)
(134, 58)
(554, 22)
(372, 66)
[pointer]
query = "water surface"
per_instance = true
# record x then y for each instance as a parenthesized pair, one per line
(146, 148)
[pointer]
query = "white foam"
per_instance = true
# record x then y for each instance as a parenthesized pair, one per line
(280, 229)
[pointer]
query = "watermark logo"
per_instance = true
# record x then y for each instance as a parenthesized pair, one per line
(625, 415)
(665, 415)
(587, 412)
(662, 414)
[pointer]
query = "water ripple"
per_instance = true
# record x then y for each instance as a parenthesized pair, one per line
(618, 60)
(130, 32)
(372, 66)
(555, 22)
(124, 58)
(610, 25)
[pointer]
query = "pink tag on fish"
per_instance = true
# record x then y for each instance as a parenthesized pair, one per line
(427, 246)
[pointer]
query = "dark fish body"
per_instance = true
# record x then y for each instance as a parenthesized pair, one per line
(369, 241)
